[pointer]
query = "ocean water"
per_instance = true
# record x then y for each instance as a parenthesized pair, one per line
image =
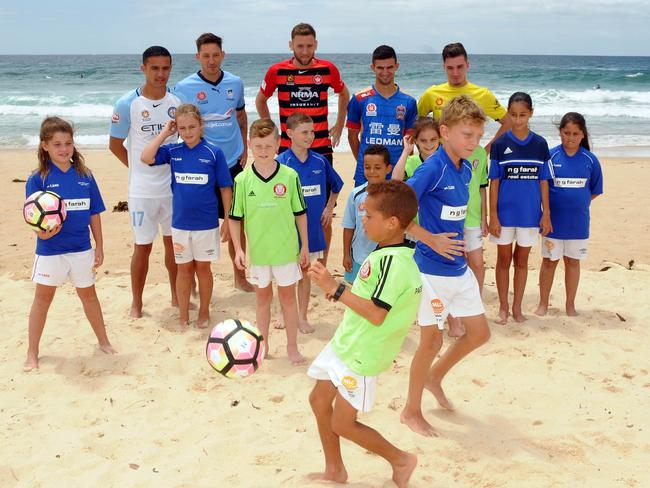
(84, 88)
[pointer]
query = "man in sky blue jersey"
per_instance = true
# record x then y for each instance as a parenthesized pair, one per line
(220, 98)
(139, 116)
(381, 113)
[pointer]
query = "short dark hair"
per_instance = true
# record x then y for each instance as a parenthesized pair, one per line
(522, 98)
(384, 52)
(377, 150)
(394, 198)
(453, 50)
(207, 38)
(303, 29)
(152, 51)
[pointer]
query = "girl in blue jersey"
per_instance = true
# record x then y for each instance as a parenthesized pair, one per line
(577, 180)
(199, 170)
(519, 208)
(65, 251)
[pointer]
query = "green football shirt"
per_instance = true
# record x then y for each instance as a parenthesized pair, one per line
(478, 161)
(412, 163)
(269, 207)
(391, 279)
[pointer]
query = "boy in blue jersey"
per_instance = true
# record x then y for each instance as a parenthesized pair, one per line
(219, 95)
(139, 116)
(448, 284)
(356, 245)
(380, 114)
(199, 170)
(317, 175)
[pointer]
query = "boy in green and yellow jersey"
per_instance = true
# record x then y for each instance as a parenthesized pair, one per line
(382, 305)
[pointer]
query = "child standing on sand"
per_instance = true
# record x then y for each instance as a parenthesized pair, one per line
(65, 251)
(268, 197)
(519, 208)
(199, 170)
(578, 179)
(381, 305)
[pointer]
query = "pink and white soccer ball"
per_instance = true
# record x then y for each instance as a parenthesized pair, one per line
(235, 348)
(44, 210)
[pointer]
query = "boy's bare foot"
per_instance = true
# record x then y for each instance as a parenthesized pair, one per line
(403, 469)
(571, 310)
(305, 327)
(518, 316)
(242, 284)
(456, 328)
(295, 357)
(417, 423)
(107, 349)
(337, 475)
(203, 324)
(503, 316)
(136, 312)
(541, 310)
(30, 364)
(184, 325)
(436, 389)
(278, 324)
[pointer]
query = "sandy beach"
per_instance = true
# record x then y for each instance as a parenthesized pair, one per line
(554, 402)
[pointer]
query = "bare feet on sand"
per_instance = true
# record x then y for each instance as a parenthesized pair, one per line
(456, 328)
(305, 327)
(242, 284)
(107, 349)
(278, 324)
(337, 475)
(417, 423)
(503, 316)
(518, 316)
(136, 312)
(203, 323)
(403, 469)
(541, 310)
(436, 389)
(295, 357)
(571, 310)
(30, 363)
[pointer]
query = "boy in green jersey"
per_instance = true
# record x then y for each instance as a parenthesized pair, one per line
(268, 197)
(382, 305)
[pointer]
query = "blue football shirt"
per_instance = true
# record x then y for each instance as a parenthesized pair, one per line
(316, 175)
(82, 200)
(219, 103)
(197, 175)
(381, 121)
(353, 219)
(442, 191)
(576, 178)
(520, 166)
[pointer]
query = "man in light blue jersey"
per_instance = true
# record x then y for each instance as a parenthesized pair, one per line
(139, 116)
(220, 98)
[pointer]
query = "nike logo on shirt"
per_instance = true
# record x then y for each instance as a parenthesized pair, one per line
(302, 72)
(154, 105)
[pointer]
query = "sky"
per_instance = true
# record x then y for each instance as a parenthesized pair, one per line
(594, 27)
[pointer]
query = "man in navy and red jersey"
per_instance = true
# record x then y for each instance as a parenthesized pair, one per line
(303, 83)
(384, 112)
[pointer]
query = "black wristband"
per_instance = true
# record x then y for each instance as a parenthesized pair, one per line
(339, 291)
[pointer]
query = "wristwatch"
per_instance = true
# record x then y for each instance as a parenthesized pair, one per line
(339, 291)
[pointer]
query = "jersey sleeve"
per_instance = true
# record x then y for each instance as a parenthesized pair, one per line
(387, 290)
(224, 179)
(34, 183)
(121, 118)
(241, 102)
(179, 91)
(269, 81)
(162, 156)
(546, 172)
(596, 177)
(491, 105)
(96, 201)
(336, 82)
(238, 195)
(495, 171)
(483, 170)
(348, 216)
(424, 104)
(423, 179)
(333, 178)
(298, 204)
(354, 114)
(411, 114)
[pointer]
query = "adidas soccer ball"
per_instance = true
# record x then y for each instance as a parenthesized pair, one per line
(235, 348)
(44, 210)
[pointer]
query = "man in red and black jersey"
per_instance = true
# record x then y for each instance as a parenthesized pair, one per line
(303, 83)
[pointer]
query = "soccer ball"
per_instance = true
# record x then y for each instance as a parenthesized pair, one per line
(44, 210)
(235, 348)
